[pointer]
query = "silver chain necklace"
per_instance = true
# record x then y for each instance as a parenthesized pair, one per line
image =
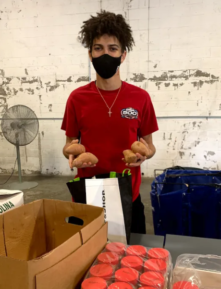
(109, 107)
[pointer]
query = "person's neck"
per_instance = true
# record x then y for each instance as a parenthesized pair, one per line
(112, 83)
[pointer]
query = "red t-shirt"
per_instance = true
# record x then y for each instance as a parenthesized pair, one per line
(107, 137)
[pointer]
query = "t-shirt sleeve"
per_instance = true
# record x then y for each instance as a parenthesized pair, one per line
(148, 123)
(70, 124)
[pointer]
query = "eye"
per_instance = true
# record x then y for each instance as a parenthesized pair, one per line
(113, 49)
(97, 48)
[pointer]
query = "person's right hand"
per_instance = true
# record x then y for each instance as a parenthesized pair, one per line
(79, 165)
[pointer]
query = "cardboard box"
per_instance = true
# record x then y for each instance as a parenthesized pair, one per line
(40, 250)
(10, 199)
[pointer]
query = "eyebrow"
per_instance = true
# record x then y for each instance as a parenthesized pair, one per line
(108, 45)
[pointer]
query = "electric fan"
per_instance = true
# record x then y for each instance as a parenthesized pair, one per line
(20, 127)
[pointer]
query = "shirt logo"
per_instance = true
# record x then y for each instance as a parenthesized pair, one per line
(129, 113)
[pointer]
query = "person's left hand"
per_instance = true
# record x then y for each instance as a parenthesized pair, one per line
(140, 158)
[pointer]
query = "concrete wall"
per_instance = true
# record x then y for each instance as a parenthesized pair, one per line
(176, 59)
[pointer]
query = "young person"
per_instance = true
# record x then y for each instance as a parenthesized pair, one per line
(110, 114)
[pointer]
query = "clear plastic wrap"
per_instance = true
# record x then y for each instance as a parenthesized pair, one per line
(197, 272)
(129, 267)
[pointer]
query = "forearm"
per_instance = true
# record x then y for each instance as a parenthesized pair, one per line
(149, 142)
(152, 151)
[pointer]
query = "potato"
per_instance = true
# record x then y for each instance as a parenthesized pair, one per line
(75, 149)
(129, 156)
(85, 158)
(140, 148)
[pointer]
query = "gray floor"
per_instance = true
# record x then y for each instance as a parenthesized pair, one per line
(54, 187)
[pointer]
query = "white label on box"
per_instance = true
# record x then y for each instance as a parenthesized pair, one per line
(10, 200)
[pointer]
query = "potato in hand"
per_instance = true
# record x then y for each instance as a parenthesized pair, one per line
(129, 156)
(75, 149)
(139, 148)
(85, 158)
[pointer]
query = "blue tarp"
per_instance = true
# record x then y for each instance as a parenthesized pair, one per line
(187, 202)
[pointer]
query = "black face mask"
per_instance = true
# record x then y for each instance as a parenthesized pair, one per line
(106, 66)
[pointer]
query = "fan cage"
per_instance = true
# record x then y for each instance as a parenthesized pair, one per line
(20, 125)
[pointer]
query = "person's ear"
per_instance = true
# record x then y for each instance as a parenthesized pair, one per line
(123, 56)
(90, 54)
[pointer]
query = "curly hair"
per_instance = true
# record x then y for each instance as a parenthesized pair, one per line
(106, 23)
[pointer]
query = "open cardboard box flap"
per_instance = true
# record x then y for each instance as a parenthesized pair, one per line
(69, 272)
(36, 237)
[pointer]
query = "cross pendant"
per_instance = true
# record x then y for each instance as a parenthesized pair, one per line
(109, 113)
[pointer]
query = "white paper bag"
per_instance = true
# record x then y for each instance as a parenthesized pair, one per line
(105, 193)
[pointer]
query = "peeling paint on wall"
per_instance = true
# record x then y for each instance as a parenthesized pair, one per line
(162, 77)
(29, 80)
(7, 80)
(2, 72)
(158, 84)
(175, 85)
(181, 154)
(199, 73)
(2, 91)
(179, 75)
(69, 79)
(82, 78)
(53, 87)
(50, 107)
(198, 78)
(214, 77)
(30, 91)
(15, 91)
(138, 77)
